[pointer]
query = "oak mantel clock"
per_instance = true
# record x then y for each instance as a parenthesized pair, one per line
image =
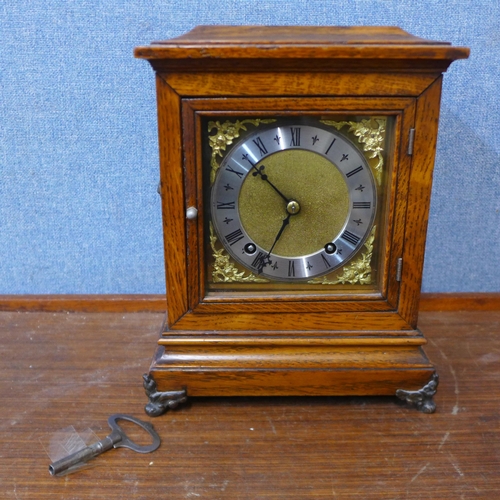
(296, 167)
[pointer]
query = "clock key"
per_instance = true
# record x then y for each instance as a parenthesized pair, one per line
(117, 439)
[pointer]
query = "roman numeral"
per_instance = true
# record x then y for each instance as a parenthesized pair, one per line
(258, 262)
(237, 172)
(221, 205)
(350, 238)
(355, 171)
(234, 237)
(258, 142)
(330, 146)
(291, 268)
(361, 204)
(295, 136)
(326, 261)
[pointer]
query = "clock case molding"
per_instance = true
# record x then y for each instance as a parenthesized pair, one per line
(364, 344)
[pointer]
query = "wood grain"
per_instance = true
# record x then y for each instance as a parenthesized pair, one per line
(58, 370)
(84, 303)
(460, 301)
(173, 201)
(418, 201)
(398, 169)
(207, 341)
(250, 381)
(262, 366)
(305, 47)
(333, 323)
(291, 83)
(465, 301)
(191, 134)
(307, 105)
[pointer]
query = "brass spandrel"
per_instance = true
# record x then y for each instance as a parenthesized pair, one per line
(224, 269)
(356, 272)
(224, 136)
(370, 133)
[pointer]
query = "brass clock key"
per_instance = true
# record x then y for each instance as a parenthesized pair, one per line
(117, 439)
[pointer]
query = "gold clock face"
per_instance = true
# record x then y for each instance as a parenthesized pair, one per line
(293, 201)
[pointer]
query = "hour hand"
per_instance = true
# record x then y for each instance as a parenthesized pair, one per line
(264, 177)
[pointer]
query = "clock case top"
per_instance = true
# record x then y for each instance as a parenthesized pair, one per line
(265, 70)
(302, 48)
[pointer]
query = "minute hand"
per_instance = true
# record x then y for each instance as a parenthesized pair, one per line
(265, 261)
(280, 232)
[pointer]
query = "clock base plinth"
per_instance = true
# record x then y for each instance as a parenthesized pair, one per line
(290, 366)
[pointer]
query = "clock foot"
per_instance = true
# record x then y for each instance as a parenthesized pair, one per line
(160, 402)
(422, 398)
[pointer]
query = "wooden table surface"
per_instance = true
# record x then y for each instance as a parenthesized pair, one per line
(76, 369)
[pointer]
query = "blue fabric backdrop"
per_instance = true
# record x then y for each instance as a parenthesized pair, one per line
(79, 212)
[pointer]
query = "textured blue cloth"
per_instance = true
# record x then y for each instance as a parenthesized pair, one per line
(79, 212)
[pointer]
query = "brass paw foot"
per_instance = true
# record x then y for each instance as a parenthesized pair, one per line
(422, 398)
(160, 402)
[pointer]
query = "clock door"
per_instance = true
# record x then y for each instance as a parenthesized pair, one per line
(337, 255)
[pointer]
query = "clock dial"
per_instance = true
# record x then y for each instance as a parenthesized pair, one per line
(293, 202)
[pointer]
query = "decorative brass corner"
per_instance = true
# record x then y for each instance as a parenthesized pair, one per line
(358, 272)
(224, 269)
(224, 136)
(371, 134)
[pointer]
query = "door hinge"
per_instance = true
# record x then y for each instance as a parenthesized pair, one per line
(411, 140)
(399, 269)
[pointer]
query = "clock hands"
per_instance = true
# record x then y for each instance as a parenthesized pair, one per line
(292, 208)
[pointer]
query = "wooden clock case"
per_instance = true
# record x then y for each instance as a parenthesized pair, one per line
(339, 345)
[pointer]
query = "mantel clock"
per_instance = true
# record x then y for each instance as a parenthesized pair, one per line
(296, 167)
